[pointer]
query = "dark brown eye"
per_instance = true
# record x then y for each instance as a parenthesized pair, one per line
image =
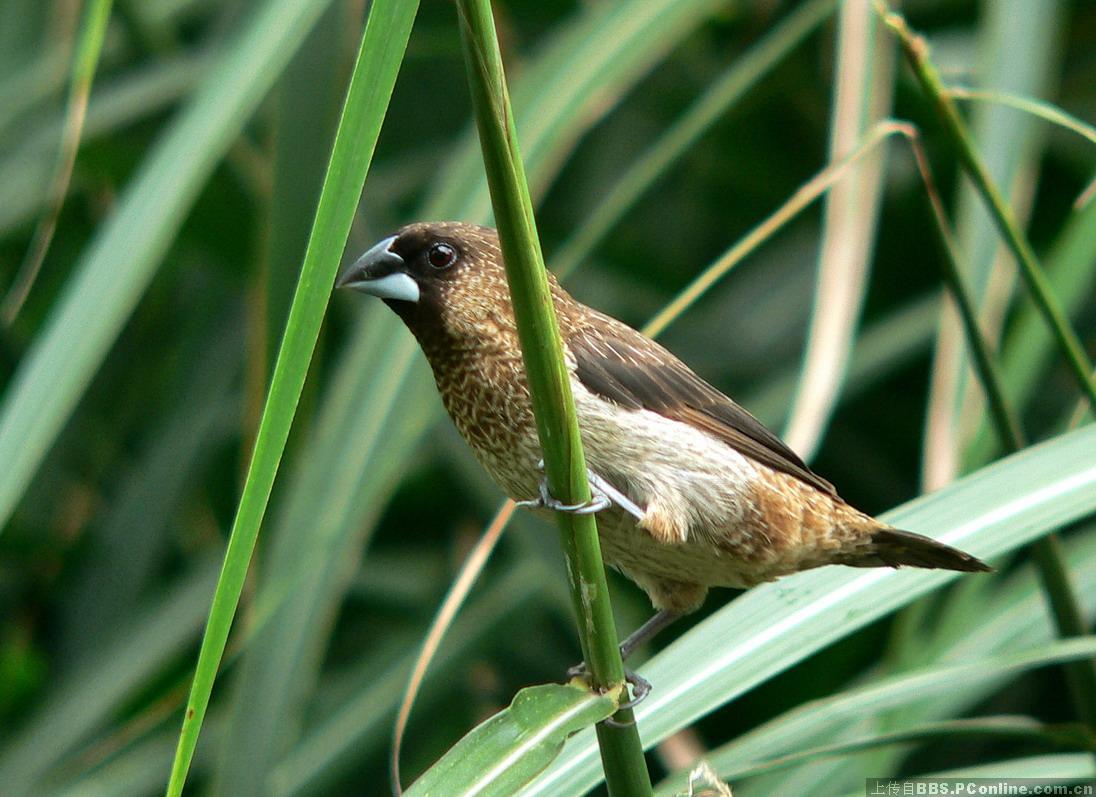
(441, 255)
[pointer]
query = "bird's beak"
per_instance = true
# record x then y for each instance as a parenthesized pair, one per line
(380, 272)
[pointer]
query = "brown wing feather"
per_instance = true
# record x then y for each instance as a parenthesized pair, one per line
(621, 365)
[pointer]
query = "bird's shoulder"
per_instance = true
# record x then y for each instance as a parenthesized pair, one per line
(619, 364)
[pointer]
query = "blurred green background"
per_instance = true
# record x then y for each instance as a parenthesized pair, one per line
(122, 477)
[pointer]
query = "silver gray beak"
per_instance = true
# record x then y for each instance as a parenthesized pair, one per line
(380, 272)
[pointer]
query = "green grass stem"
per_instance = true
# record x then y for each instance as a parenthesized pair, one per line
(916, 52)
(549, 385)
(1061, 592)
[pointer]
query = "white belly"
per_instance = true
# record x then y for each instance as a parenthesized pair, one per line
(653, 459)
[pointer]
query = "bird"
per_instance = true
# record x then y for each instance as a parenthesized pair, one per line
(693, 491)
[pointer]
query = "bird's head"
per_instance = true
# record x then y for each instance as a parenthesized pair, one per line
(438, 277)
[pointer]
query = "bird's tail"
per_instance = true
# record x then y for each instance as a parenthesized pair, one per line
(896, 548)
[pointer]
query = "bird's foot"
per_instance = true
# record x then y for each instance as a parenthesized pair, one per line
(641, 687)
(604, 495)
(546, 500)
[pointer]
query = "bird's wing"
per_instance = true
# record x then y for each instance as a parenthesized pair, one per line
(621, 365)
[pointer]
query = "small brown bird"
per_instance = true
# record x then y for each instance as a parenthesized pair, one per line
(703, 494)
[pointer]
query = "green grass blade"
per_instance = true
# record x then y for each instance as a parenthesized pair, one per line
(383, 43)
(120, 262)
(774, 626)
(1047, 551)
(504, 753)
(1004, 218)
(1016, 57)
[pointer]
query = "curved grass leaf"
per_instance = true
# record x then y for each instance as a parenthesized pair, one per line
(510, 749)
(785, 735)
(772, 627)
(86, 59)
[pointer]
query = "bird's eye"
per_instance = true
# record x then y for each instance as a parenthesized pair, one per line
(441, 255)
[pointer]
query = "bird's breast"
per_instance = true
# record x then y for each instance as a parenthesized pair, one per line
(487, 396)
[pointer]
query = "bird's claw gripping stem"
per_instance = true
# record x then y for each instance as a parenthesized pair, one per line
(641, 687)
(597, 502)
(604, 495)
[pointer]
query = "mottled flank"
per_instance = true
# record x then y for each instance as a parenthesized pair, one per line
(725, 502)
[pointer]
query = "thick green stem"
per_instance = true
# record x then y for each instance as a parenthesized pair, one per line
(1061, 591)
(549, 386)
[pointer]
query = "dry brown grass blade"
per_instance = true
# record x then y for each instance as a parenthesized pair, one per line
(454, 599)
(946, 429)
(802, 198)
(85, 59)
(862, 97)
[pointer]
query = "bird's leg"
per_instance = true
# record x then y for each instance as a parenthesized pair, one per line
(597, 502)
(603, 493)
(640, 686)
(614, 495)
(657, 621)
